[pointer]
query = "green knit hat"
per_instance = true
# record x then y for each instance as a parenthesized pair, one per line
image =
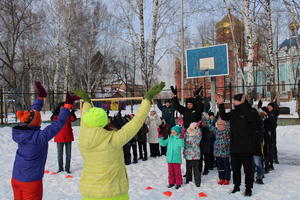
(177, 129)
(95, 117)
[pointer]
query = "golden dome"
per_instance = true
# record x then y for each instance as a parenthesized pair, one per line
(206, 44)
(294, 26)
(225, 23)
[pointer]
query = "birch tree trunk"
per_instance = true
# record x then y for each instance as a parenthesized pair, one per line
(144, 67)
(249, 47)
(156, 5)
(69, 46)
(272, 64)
(58, 41)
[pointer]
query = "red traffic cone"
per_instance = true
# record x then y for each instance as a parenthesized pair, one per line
(168, 193)
(149, 188)
(46, 172)
(69, 176)
(53, 173)
(202, 194)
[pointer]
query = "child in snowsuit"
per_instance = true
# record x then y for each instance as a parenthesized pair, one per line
(174, 144)
(164, 130)
(153, 121)
(222, 150)
(104, 174)
(31, 155)
(192, 153)
(65, 138)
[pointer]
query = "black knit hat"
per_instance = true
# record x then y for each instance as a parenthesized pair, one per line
(211, 114)
(238, 97)
(190, 100)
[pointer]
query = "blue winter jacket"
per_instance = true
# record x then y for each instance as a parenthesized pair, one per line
(32, 149)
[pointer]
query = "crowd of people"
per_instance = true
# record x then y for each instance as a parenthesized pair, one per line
(245, 136)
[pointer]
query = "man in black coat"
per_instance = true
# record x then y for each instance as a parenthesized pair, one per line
(244, 136)
(192, 112)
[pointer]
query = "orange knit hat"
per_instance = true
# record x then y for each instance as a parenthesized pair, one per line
(29, 117)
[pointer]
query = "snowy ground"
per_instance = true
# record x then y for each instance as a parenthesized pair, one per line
(283, 183)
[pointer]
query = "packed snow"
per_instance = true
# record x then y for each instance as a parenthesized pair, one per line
(282, 183)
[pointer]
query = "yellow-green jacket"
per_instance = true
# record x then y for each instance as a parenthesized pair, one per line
(104, 174)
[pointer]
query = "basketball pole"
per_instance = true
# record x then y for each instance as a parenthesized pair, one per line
(213, 92)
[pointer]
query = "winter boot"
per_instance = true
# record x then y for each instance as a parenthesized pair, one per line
(177, 187)
(145, 158)
(259, 181)
(60, 170)
(171, 185)
(68, 171)
(271, 167)
(135, 161)
(221, 182)
(266, 170)
(205, 172)
(226, 182)
(248, 192)
(276, 161)
(236, 189)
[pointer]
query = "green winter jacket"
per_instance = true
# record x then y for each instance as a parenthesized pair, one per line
(174, 144)
(104, 174)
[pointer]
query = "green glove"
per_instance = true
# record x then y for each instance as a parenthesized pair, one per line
(82, 94)
(154, 91)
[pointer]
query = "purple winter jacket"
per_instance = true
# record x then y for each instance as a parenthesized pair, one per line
(32, 149)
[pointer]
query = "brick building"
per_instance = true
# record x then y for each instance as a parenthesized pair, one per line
(224, 34)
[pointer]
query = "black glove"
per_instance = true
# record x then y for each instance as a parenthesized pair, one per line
(174, 90)
(198, 91)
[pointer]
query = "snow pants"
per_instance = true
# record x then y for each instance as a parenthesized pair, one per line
(60, 155)
(127, 155)
(154, 150)
(174, 171)
(143, 148)
(193, 168)
(223, 166)
(27, 190)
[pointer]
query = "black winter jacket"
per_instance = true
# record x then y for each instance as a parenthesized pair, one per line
(245, 128)
(189, 115)
(142, 134)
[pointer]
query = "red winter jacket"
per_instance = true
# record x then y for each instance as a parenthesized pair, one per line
(66, 133)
